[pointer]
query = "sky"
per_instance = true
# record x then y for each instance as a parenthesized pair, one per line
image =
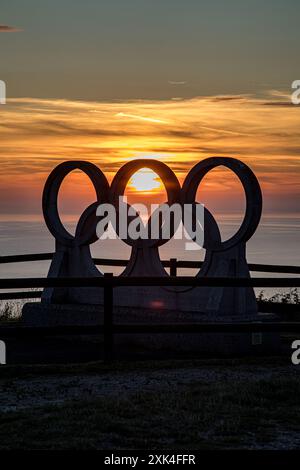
(136, 49)
(109, 81)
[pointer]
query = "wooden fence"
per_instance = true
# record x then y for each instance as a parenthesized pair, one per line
(109, 282)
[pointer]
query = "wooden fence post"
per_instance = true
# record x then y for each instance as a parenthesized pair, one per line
(173, 266)
(108, 321)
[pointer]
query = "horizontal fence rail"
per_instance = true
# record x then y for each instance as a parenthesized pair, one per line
(119, 281)
(178, 328)
(26, 258)
(267, 268)
(21, 295)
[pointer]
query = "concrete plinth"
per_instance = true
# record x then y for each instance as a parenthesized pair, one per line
(46, 315)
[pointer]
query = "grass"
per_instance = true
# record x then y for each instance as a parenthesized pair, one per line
(203, 417)
(228, 414)
(10, 311)
(27, 371)
(290, 297)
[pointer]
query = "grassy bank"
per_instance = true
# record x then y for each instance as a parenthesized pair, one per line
(158, 405)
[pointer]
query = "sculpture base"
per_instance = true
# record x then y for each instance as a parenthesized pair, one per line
(46, 315)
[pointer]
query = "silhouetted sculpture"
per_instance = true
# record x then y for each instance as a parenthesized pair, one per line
(73, 257)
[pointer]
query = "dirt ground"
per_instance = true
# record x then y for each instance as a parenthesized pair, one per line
(189, 404)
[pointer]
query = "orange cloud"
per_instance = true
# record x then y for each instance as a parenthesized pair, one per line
(36, 135)
(8, 29)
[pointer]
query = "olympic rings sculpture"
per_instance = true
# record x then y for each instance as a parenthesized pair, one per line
(176, 194)
(72, 252)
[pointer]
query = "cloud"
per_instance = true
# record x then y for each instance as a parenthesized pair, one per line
(8, 29)
(37, 134)
(230, 98)
(142, 118)
(280, 104)
(175, 83)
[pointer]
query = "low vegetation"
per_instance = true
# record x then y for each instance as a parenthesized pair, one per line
(256, 412)
(290, 297)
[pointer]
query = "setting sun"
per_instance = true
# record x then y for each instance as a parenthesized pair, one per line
(145, 180)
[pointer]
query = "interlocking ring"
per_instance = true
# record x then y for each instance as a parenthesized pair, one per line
(167, 176)
(252, 191)
(85, 233)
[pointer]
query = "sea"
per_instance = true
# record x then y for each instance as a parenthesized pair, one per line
(276, 241)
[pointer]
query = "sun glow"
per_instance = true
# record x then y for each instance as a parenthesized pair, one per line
(145, 180)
